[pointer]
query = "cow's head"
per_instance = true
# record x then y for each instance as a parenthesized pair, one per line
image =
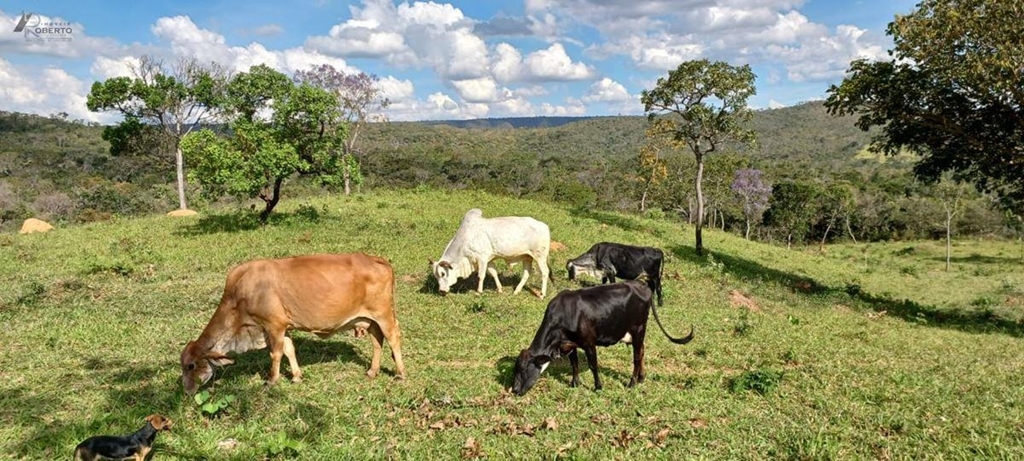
(527, 371)
(584, 264)
(445, 274)
(197, 366)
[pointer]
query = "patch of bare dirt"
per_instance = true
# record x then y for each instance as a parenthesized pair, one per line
(737, 299)
(557, 246)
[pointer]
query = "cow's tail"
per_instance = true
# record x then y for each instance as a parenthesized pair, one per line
(654, 282)
(682, 340)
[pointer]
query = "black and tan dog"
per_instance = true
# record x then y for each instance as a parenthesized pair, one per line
(123, 447)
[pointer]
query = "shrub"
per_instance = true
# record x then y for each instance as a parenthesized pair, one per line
(55, 206)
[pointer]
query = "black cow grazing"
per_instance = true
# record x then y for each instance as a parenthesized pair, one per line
(610, 260)
(597, 316)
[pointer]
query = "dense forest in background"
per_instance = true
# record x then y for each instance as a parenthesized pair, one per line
(62, 170)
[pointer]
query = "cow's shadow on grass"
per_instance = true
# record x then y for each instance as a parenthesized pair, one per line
(509, 280)
(560, 371)
(309, 350)
(971, 321)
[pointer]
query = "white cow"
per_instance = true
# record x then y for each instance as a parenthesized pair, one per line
(480, 240)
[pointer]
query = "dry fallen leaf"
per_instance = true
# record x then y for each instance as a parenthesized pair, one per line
(471, 449)
(227, 444)
(660, 437)
(438, 425)
(550, 423)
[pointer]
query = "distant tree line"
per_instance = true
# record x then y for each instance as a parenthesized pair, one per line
(63, 171)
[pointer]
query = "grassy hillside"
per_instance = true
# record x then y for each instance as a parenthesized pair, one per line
(857, 358)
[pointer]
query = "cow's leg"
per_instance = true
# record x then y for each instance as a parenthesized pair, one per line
(293, 363)
(377, 338)
(275, 342)
(545, 274)
(638, 357)
(591, 352)
(394, 335)
(494, 274)
(481, 272)
(574, 360)
(527, 267)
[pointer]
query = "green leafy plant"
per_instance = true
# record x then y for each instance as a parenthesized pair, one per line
(279, 444)
(760, 381)
(211, 405)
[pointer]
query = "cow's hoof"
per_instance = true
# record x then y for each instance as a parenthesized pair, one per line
(371, 374)
(296, 379)
(400, 377)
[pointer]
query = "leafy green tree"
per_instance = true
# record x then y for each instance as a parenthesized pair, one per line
(837, 201)
(792, 208)
(718, 197)
(277, 129)
(175, 100)
(651, 159)
(953, 92)
(706, 104)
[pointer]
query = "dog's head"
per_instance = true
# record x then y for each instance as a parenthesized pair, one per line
(159, 422)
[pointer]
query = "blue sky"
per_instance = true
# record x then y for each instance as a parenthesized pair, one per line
(459, 59)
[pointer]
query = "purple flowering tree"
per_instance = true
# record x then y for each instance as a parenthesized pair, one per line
(361, 100)
(754, 193)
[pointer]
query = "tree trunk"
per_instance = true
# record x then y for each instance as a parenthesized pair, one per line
(272, 201)
(746, 232)
(949, 220)
(643, 201)
(699, 244)
(179, 160)
(850, 230)
(821, 246)
(348, 181)
(721, 214)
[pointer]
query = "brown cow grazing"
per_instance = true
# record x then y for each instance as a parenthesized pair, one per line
(321, 294)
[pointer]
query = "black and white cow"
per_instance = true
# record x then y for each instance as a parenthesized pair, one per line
(597, 316)
(610, 260)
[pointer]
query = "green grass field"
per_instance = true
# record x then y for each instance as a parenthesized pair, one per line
(846, 354)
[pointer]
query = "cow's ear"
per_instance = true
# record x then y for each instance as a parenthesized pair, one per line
(446, 264)
(430, 262)
(219, 360)
(541, 359)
